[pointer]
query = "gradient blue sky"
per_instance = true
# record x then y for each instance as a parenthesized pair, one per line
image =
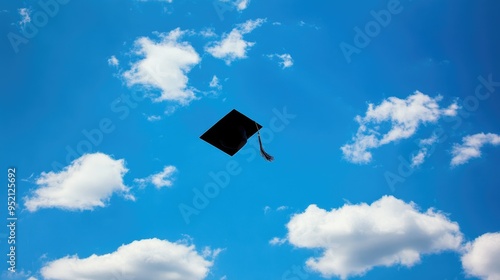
(303, 71)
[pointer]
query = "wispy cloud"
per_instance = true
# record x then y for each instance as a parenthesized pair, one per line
(404, 117)
(277, 241)
(268, 209)
(282, 208)
(387, 232)
(113, 61)
(160, 179)
(304, 24)
(25, 14)
(153, 118)
(147, 259)
(208, 33)
(88, 182)
(233, 46)
(419, 157)
(471, 147)
(286, 60)
(164, 66)
(214, 83)
(242, 4)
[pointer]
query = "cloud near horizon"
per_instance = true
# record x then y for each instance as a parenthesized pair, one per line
(387, 232)
(147, 259)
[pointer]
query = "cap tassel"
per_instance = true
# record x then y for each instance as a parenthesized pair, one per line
(265, 155)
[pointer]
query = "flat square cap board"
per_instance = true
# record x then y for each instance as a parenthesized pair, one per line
(231, 133)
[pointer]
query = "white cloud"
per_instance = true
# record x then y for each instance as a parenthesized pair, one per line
(208, 32)
(25, 14)
(153, 118)
(232, 46)
(249, 25)
(113, 61)
(419, 158)
(267, 209)
(208, 252)
(451, 110)
(242, 4)
(482, 257)
(160, 179)
(404, 117)
(356, 238)
(147, 259)
(164, 66)
(429, 141)
(214, 83)
(286, 59)
(88, 182)
(277, 241)
(471, 147)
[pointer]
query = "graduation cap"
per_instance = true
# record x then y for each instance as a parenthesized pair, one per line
(231, 133)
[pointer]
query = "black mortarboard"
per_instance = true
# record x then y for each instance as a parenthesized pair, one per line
(231, 132)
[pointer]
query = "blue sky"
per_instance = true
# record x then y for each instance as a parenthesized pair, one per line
(382, 118)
